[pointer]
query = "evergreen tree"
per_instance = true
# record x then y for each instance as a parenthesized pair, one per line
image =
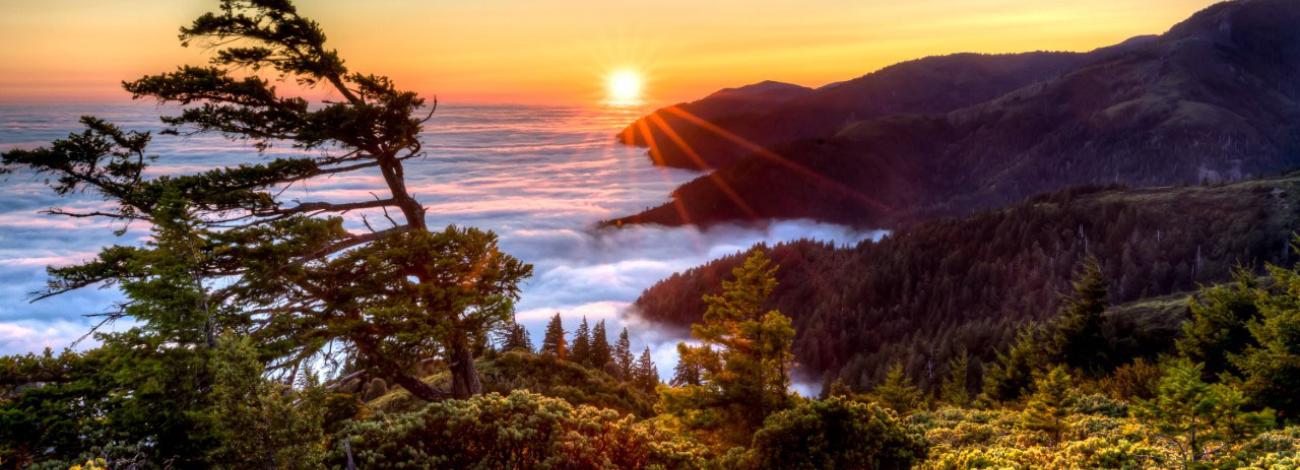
(1013, 371)
(260, 423)
(955, 389)
(1200, 419)
(600, 353)
(647, 375)
(1217, 327)
(623, 356)
(897, 391)
(1050, 403)
(689, 370)
(744, 357)
(1077, 338)
(517, 339)
(553, 343)
(392, 296)
(580, 347)
(1271, 366)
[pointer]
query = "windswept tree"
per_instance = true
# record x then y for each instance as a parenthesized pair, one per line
(293, 274)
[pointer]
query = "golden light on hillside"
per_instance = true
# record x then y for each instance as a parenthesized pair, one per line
(623, 88)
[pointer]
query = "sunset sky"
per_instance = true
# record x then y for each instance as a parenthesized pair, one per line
(558, 51)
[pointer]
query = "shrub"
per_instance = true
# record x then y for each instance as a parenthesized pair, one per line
(834, 433)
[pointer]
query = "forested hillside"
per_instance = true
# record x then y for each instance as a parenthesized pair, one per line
(929, 290)
(1213, 99)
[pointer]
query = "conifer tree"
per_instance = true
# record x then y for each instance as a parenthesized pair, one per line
(1218, 328)
(954, 389)
(623, 356)
(553, 342)
(647, 375)
(600, 355)
(1200, 419)
(745, 356)
(1050, 403)
(897, 391)
(580, 347)
(1077, 337)
(689, 370)
(517, 339)
(1270, 367)
(292, 275)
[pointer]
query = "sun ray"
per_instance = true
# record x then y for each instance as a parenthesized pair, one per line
(694, 156)
(778, 159)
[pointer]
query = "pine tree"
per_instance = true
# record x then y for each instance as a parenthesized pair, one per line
(580, 347)
(1270, 367)
(1077, 337)
(954, 390)
(647, 375)
(1050, 403)
(600, 353)
(688, 371)
(897, 391)
(553, 343)
(1218, 328)
(381, 292)
(623, 356)
(745, 353)
(517, 339)
(1196, 416)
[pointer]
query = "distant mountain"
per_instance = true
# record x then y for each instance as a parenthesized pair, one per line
(1217, 98)
(931, 289)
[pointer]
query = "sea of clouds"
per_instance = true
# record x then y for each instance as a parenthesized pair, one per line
(540, 177)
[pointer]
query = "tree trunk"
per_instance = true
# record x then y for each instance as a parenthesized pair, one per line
(464, 374)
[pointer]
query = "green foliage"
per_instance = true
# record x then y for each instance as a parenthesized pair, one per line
(390, 296)
(1076, 333)
(553, 342)
(580, 347)
(622, 356)
(1050, 403)
(521, 431)
(897, 392)
(1217, 327)
(645, 375)
(1270, 366)
(743, 359)
(601, 356)
(517, 339)
(1201, 420)
(1013, 372)
(834, 433)
(955, 389)
(259, 423)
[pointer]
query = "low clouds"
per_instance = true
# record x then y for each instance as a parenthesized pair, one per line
(540, 177)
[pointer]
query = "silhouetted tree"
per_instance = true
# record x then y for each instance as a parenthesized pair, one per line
(293, 277)
(580, 347)
(553, 342)
(600, 354)
(623, 356)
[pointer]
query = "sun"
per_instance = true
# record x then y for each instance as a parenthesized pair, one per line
(623, 87)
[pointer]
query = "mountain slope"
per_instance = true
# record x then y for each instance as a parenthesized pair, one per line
(1217, 98)
(930, 289)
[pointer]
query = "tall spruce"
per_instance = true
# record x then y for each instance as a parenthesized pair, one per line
(1077, 336)
(292, 275)
(580, 347)
(623, 359)
(600, 355)
(1050, 403)
(517, 339)
(955, 389)
(553, 342)
(897, 391)
(744, 355)
(647, 375)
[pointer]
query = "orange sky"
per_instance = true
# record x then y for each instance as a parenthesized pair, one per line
(557, 51)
